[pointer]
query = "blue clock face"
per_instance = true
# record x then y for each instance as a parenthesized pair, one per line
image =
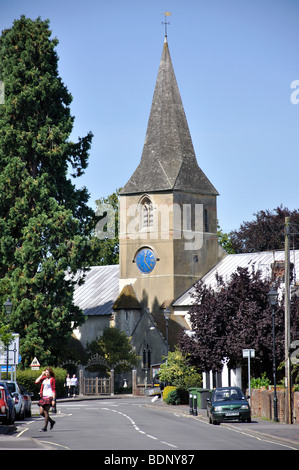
(146, 260)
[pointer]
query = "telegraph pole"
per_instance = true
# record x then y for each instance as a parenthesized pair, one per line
(287, 321)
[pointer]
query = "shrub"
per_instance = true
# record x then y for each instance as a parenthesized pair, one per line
(167, 390)
(177, 371)
(178, 396)
(27, 378)
(259, 382)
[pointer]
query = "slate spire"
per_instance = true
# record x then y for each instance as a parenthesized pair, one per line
(168, 161)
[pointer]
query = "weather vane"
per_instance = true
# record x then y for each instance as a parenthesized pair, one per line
(166, 13)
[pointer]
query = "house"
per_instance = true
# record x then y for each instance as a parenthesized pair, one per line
(271, 265)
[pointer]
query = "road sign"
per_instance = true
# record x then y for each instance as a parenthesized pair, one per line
(13, 351)
(35, 365)
(249, 353)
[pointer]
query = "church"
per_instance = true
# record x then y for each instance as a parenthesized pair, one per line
(167, 239)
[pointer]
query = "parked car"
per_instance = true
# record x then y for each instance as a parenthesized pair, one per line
(7, 406)
(17, 396)
(27, 397)
(227, 404)
(157, 383)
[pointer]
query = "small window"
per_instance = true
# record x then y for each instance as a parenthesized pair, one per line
(206, 220)
(147, 216)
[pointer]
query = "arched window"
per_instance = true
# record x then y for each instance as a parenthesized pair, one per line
(146, 213)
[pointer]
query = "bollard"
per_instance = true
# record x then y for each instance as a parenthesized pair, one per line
(194, 404)
(190, 404)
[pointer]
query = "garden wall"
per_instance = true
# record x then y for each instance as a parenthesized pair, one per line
(262, 405)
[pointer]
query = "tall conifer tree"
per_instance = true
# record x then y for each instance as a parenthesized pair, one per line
(44, 219)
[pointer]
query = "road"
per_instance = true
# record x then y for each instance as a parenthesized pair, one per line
(130, 425)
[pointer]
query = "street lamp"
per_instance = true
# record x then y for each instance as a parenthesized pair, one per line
(273, 296)
(167, 314)
(8, 309)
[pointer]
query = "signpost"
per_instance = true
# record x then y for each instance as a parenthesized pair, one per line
(249, 353)
(13, 355)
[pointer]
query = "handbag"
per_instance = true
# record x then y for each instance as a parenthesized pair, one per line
(45, 401)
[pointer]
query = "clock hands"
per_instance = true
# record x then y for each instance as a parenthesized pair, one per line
(146, 262)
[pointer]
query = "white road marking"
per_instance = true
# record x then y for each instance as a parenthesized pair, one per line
(137, 427)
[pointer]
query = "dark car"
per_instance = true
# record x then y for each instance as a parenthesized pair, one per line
(228, 404)
(17, 396)
(27, 399)
(157, 383)
(9, 416)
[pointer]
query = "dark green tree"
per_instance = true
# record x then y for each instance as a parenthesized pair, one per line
(114, 348)
(45, 222)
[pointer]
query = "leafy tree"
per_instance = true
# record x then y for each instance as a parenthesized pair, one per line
(266, 232)
(44, 220)
(224, 240)
(235, 316)
(178, 372)
(114, 348)
(106, 247)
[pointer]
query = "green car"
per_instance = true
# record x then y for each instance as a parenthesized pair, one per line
(228, 404)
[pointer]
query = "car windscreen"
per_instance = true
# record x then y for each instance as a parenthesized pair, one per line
(228, 394)
(11, 387)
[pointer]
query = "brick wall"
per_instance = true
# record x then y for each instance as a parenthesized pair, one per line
(262, 404)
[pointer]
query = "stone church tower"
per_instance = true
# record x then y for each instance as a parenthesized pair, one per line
(168, 217)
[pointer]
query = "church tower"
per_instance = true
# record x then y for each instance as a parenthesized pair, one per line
(168, 217)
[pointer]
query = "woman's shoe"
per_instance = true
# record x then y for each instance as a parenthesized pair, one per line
(52, 424)
(43, 430)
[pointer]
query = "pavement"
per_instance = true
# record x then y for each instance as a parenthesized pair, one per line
(278, 432)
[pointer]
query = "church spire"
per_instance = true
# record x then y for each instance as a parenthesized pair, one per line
(168, 160)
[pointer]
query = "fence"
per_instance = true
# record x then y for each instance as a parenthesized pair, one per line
(96, 386)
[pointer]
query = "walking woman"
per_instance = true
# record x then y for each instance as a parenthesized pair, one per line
(47, 396)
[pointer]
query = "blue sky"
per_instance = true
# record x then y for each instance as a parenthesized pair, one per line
(234, 61)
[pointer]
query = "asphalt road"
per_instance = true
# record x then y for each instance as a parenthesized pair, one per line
(130, 425)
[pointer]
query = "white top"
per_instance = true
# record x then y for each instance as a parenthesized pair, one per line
(47, 390)
(74, 381)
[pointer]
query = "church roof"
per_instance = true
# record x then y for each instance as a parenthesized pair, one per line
(127, 299)
(168, 160)
(260, 261)
(98, 293)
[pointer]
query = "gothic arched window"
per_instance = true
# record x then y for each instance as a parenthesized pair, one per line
(146, 213)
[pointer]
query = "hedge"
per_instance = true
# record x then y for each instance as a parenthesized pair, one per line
(27, 378)
(179, 396)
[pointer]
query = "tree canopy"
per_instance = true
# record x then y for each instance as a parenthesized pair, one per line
(233, 317)
(266, 232)
(105, 241)
(45, 221)
(115, 348)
